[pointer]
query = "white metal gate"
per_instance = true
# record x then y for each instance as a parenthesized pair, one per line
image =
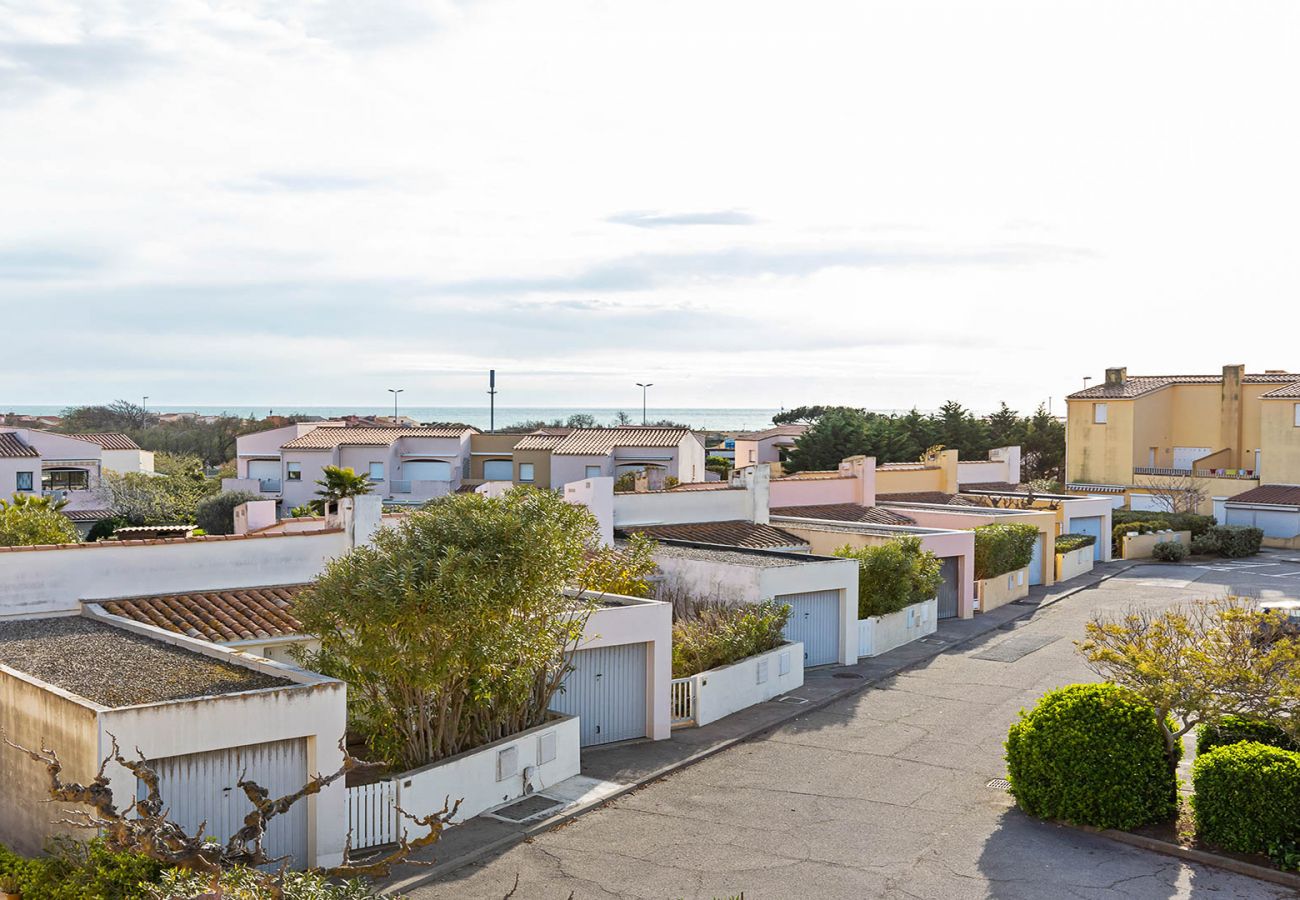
(201, 787)
(372, 814)
(814, 620)
(1036, 561)
(606, 690)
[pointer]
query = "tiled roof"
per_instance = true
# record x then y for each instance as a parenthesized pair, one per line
(87, 515)
(734, 534)
(595, 441)
(924, 497)
(705, 486)
(1270, 495)
(1137, 385)
(778, 431)
(328, 437)
(845, 512)
(240, 614)
(538, 441)
(109, 440)
(904, 467)
(1003, 486)
(1290, 392)
(11, 447)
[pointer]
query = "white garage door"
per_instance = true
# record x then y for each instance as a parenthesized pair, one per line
(1147, 503)
(498, 470)
(606, 691)
(201, 787)
(1036, 562)
(426, 470)
(814, 620)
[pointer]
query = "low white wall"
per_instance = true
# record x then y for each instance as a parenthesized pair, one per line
(1002, 589)
(471, 777)
(674, 507)
(880, 634)
(54, 580)
(755, 679)
(1073, 564)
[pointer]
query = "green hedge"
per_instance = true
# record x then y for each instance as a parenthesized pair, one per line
(716, 635)
(1192, 522)
(1169, 551)
(1237, 540)
(1237, 729)
(78, 871)
(1003, 548)
(1247, 797)
(1091, 754)
(1067, 543)
(216, 514)
(893, 576)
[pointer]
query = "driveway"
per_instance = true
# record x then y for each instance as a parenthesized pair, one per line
(883, 794)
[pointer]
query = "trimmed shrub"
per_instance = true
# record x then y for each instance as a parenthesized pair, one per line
(1237, 729)
(216, 514)
(1092, 754)
(1003, 548)
(1237, 540)
(1192, 522)
(893, 576)
(1247, 797)
(714, 635)
(1067, 543)
(1205, 545)
(1169, 551)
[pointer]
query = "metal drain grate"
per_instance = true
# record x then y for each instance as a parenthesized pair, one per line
(999, 784)
(532, 807)
(790, 700)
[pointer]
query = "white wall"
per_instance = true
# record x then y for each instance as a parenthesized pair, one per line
(53, 580)
(880, 634)
(756, 679)
(597, 494)
(128, 460)
(675, 507)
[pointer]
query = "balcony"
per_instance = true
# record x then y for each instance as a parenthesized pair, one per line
(269, 486)
(1239, 474)
(406, 491)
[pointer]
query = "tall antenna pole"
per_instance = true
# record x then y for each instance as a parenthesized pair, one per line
(492, 401)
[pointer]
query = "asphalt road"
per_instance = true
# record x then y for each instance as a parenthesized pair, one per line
(880, 795)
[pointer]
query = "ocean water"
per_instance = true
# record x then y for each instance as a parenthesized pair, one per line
(715, 419)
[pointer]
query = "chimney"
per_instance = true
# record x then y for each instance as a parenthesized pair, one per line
(1230, 414)
(1116, 377)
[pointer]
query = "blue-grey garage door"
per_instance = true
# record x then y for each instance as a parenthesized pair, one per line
(606, 691)
(1089, 525)
(950, 590)
(814, 620)
(1036, 564)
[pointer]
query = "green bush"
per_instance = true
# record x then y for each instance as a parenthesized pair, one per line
(1003, 548)
(1140, 527)
(1236, 729)
(714, 635)
(1067, 543)
(1169, 551)
(1237, 540)
(1192, 522)
(1091, 754)
(241, 883)
(1205, 545)
(893, 576)
(1247, 797)
(75, 871)
(216, 514)
(719, 464)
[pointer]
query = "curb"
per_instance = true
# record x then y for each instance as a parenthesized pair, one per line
(1204, 857)
(438, 870)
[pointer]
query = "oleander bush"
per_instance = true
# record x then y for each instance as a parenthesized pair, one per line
(1003, 548)
(1236, 541)
(710, 635)
(1092, 754)
(216, 514)
(75, 871)
(1205, 545)
(1247, 797)
(1238, 729)
(1067, 543)
(1169, 551)
(893, 576)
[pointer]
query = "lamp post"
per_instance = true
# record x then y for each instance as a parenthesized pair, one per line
(145, 404)
(643, 390)
(395, 392)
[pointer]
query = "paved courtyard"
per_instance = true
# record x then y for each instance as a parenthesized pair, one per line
(882, 794)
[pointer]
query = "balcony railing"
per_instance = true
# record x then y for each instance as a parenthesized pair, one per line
(1196, 473)
(268, 485)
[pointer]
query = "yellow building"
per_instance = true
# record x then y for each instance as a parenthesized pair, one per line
(1156, 437)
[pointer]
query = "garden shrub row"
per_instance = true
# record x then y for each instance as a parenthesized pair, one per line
(1067, 543)
(1003, 548)
(1170, 551)
(1234, 541)
(893, 576)
(1196, 524)
(1247, 798)
(716, 634)
(77, 871)
(1236, 729)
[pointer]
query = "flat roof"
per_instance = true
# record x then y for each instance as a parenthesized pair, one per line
(115, 668)
(736, 556)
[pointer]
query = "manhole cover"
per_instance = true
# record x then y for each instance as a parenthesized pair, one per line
(790, 700)
(1000, 784)
(532, 807)
(846, 675)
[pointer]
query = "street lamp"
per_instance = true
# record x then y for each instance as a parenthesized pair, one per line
(395, 392)
(145, 405)
(643, 390)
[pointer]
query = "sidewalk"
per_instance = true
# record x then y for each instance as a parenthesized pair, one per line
(611, 771)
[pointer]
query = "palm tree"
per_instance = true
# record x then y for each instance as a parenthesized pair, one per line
(21, 500)
(337, 484)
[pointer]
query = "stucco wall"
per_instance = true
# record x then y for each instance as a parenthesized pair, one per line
(812, 491)
(1280, 442)
(1141, 546)
(484, 447)
(1073, 564)
(669, 507)
(1003, 589)
(9, 469)
(128, 460)
(957, 517)
(906, 481)
(722, 691)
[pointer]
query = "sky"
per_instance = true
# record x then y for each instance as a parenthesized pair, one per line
(750, 204)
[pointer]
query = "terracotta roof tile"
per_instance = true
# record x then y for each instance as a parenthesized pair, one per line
(1290, 392)
(925, 497)
(109, 440)
(1270, 495)
(777, 431)
(845, 512)
(11, 447)
(538, 441)
(223, 616)
(597, 441)
(732, 533)
(1137, 385)
(329, 437)
(813, 476)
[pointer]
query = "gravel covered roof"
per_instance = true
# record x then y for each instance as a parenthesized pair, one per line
(736, 556)
(113, 667)
(733, 533)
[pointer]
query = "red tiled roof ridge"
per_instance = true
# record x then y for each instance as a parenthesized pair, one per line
(109, 440)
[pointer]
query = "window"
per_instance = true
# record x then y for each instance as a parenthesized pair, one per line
(593, 471)
(1099, 413)
(526, 472)
(753, 455)
(24, 481)
(1297, 415)
(498, 470)
(65, 480)
(293, 471)
(376, 471)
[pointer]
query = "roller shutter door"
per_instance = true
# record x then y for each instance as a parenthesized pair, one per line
(814, 620)
(606, 690)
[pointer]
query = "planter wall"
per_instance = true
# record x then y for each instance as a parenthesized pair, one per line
(1003, 589)
(1140, 546)
(1073, 564)
(755, 679)
(495, 773)
(880, 634)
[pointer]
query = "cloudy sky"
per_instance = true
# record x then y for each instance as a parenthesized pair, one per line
(748, 203)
